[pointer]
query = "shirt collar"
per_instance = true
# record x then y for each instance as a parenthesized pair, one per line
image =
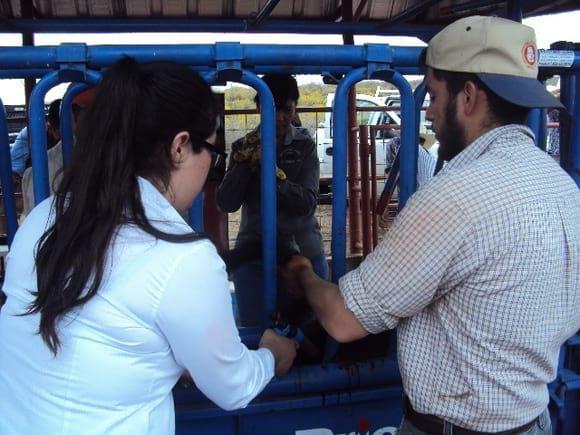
(159, 210)
(290, 135)
(481, 145)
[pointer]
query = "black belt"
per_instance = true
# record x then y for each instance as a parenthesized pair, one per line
(434, 425)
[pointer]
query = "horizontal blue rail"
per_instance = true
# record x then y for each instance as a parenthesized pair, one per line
(318, 379)
(97, 57)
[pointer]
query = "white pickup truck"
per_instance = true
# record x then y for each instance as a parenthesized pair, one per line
(324, 139)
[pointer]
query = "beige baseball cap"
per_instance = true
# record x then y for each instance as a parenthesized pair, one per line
(501, 52)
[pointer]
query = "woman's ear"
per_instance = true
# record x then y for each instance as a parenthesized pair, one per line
(179, 145)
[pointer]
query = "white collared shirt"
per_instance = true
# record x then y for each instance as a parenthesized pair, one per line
(162, 308)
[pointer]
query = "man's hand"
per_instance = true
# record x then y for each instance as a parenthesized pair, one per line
(296, 266)
(283, 349)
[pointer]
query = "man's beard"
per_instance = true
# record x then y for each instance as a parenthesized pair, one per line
(451, 134)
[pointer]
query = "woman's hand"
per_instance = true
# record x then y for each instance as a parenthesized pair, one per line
(283, 349)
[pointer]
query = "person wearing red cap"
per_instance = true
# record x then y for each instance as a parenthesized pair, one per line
(480, 272)
(54, 155)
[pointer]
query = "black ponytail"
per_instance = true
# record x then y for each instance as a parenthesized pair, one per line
(126, 133)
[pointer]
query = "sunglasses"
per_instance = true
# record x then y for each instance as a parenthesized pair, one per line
(217, 156)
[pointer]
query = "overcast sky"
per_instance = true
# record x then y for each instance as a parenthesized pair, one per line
(548, 29)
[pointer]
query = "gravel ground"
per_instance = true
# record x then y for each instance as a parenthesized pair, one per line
(324, 216)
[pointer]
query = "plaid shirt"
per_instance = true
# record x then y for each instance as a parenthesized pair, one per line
(480, 272)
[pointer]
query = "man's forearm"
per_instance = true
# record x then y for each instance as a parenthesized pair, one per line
(328, 305)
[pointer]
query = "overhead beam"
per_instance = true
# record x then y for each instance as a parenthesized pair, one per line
(66, 25)
(410, 12)
(359, 10)
(467, 7)
(265, 12)
(545, 7)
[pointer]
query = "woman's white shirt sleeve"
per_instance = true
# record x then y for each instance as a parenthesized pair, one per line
(195, 315)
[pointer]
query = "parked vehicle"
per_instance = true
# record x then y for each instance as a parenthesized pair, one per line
(324, 139)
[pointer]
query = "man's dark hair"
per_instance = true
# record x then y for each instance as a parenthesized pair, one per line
(283, 88)
(53, 115)
(502, 112)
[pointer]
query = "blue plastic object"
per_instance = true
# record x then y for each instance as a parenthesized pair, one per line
(574, 150)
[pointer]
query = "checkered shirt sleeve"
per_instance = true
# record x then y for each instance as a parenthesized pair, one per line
(401, 277)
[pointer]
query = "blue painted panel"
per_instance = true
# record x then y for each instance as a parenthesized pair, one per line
(374, 412)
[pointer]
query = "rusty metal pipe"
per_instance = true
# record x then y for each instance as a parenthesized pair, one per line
(365, 199)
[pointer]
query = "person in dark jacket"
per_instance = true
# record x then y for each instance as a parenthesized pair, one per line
(297, 176)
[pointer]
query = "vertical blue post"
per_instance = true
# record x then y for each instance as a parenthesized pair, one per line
(37, 136)
(409, 135)
(542, 138)
(419, 95)
(196, 214)
(574, 149)
(534, 121)
(340, 135)
(537, 120)
(267, 190)
(568, 97)
(6, 178)
(37, 130)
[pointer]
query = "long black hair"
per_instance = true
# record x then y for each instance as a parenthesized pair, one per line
(126, 133)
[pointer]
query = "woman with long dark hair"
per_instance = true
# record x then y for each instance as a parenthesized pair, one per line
(110, 295)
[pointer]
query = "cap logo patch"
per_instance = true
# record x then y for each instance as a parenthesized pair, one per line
(529, 54)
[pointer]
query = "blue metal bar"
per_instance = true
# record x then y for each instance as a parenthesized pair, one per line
(534, 121)
(574, 149)
(568, 98)
(98, 57)
(408, 181)
(37, 135)
(258, 69)
(389, 395)
(340, 135)
(37, 130)
(542, 137)
(419, 95)
(409, 135)
(18, 73)
(196, 214)
(267, 190)
(317, 379)
(47, 25)
(6, 178)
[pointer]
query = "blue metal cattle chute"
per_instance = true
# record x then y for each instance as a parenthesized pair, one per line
(362, 397)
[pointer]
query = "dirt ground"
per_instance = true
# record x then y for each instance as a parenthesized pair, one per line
(324, 216)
